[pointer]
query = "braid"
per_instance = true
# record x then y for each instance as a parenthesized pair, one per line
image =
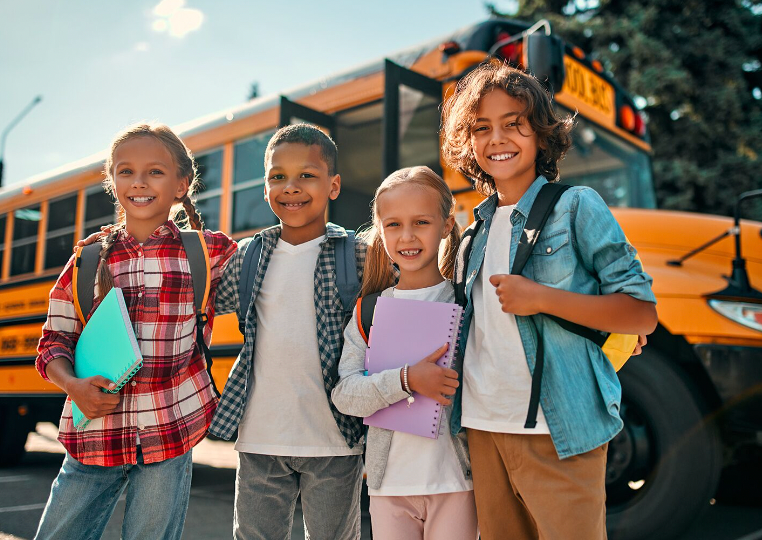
(105, 279)
(447, 259)
(194, 218)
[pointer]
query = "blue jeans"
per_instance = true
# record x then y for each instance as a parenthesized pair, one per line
(266, 488)
(83, 497)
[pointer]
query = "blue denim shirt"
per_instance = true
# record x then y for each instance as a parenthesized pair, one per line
(582, 249)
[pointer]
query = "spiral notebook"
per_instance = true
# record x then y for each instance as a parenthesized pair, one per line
(403, 332)
(107, 347)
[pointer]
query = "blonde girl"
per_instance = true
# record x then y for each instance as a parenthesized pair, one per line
(141, 438)
(419, 487)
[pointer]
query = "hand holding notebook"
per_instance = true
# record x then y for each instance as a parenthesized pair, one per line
(107, 347)
(403, 332)
(430, 379)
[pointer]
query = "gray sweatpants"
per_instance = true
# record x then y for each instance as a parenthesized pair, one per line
(266, 489)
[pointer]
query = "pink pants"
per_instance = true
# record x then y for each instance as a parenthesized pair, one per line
(447, 516)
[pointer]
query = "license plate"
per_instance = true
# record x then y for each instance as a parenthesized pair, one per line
(588, 87)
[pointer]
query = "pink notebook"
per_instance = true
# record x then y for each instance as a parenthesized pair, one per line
(404, 332)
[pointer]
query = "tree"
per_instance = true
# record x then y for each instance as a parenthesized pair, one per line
(697, 65)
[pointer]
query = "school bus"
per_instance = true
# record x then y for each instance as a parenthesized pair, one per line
(695, 391)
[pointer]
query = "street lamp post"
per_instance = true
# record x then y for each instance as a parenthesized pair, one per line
(10, 126)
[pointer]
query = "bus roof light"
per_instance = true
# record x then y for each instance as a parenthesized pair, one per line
(597, 66)
(579, 53)
(449, 47)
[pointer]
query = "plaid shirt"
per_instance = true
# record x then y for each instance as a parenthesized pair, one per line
(331, 319)
(169, 403)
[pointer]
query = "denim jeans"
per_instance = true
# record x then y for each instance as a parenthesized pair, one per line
(266, 489)
(83, 497)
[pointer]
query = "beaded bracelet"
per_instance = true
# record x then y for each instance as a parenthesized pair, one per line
(406, 386)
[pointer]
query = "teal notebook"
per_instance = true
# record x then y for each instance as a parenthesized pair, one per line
(107, 347)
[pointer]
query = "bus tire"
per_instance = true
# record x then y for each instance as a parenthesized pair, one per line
(664, 466)
(14, 430)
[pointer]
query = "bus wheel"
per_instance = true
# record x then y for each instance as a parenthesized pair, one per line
(664, 466)
(14, 430)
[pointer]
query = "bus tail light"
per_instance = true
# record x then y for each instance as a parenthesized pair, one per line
(640, 125)
(513, 50)
(627, 117)
(746, 314)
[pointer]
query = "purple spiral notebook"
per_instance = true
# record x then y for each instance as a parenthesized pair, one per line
(404, 332)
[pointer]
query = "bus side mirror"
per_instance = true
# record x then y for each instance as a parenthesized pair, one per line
(544, 58)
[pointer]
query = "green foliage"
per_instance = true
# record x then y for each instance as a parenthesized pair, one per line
(697, 64)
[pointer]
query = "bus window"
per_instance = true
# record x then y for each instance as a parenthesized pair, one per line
(618, 171)
(358, 136)
(208, 203)
(3, 223)
(26, 224)
(99, 210)
(250, 210)
(60, 237)
(419, 129)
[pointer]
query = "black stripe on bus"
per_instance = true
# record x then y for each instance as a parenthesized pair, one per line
(24, 320)
(217, 352)
(17, 361)
(30, 281)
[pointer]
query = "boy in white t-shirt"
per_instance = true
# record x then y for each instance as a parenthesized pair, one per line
(291, 438)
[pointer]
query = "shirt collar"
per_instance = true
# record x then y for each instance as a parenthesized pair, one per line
(332, 231)
(168, 228)
(486, 209)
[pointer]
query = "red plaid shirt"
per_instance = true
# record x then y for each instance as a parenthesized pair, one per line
(169, 403)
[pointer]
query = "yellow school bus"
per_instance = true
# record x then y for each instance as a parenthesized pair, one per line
(696, 389)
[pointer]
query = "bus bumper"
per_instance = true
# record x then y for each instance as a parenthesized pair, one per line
(736, 373)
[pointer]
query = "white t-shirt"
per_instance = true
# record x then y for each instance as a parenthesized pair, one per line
(419, 465)
(287, 411)
(496, 378)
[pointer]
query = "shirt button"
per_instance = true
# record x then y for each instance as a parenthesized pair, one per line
(140, 295)
(548, 250)
(141, 427)
(133, 383)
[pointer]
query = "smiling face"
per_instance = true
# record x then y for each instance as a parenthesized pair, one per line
(412, 226)
(146, 183)
(298, 188)
(504, 146)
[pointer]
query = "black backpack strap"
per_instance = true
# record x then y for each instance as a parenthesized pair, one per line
(461, 261)
(83, 279)
(366, 305)
(538, 216)
(347, 281)
(246, 279)
(198, 259)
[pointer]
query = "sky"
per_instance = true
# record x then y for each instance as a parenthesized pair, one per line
(101, 65)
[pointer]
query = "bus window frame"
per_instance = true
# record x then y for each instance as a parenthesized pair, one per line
(246, 184)
(61, 231)
(218, 191)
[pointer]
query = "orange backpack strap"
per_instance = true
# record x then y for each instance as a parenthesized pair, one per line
(366, 306)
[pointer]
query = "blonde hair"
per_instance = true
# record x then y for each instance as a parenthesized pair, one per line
(183, 212)
(379, 270)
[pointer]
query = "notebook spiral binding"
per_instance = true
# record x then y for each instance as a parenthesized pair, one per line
(454, 338)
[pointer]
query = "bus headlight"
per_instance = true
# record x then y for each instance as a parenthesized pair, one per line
(747, 314)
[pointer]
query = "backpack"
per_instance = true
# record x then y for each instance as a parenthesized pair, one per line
(346, 274)
(86, 265)
(616, 347)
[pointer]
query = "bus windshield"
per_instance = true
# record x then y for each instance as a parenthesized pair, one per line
(619, 171)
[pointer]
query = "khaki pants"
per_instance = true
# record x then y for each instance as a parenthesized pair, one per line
(524, 491)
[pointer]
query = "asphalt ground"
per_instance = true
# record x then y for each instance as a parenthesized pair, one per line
(736, 514)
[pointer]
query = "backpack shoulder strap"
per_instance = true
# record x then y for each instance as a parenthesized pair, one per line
(83, 279)
(246, 278)
(346, 270)
(366, 305)
(198, 258)
(461, 261)
(541, 209)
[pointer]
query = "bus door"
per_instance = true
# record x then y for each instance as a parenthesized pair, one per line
(411, 120)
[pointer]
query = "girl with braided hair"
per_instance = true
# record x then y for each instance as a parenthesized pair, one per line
(141, 438)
